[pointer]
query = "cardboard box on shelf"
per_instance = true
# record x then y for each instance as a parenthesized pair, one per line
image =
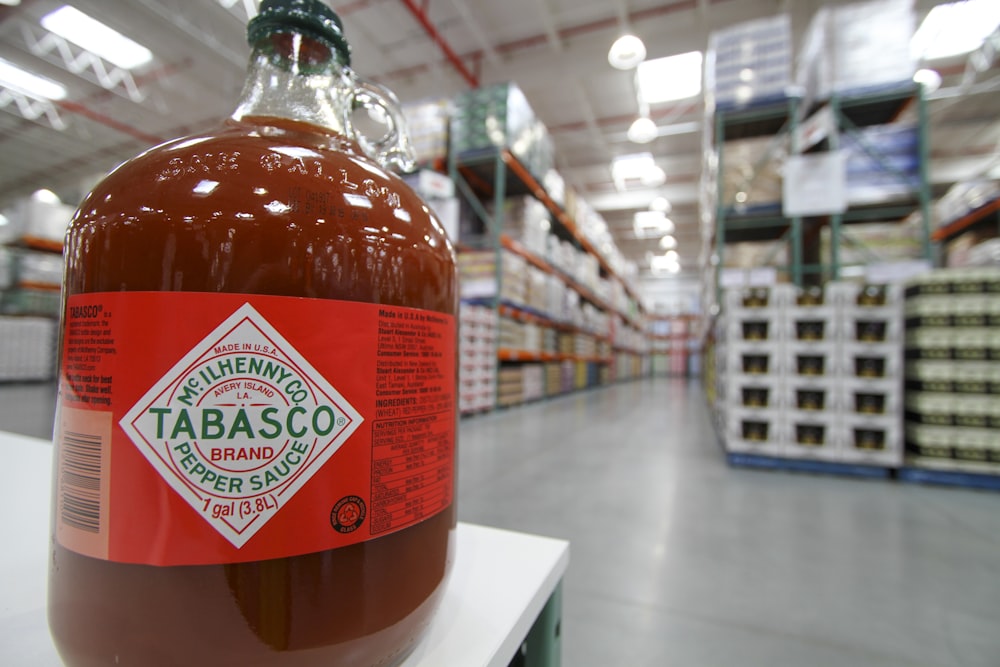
(752, 302)
(865, 296)
(872, 361)
(754, 431)
(811, 435)
(751, 391)
(860, 396)
(868, 327)
(929, 441)
(749, 63)
(810, 327)
(872, 440)
(497, 116)
(812, 360)
(754, 358)
(753, 329)
(427, 127)
(806, 394)
(28, 352)
(857, 48)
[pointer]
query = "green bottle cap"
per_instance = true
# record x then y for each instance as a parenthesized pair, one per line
(310, 17)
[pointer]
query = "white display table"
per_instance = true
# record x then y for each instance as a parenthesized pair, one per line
(500, 582)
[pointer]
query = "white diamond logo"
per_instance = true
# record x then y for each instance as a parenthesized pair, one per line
(240, 424)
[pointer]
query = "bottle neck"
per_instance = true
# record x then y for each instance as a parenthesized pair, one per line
(295, 77)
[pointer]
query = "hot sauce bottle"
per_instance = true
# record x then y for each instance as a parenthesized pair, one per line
(256, 427)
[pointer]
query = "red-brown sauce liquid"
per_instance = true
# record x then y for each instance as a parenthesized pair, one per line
(208, 214)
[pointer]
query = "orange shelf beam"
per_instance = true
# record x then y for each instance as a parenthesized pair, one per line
(956, 226)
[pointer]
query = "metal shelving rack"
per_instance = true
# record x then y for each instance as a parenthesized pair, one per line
(782, 121)
(985, 216)
(495, 174)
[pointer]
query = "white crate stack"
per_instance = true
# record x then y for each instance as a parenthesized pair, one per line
(750, 374)
(952, 403)
(856, 47)
(813, 365)
(477, 374)
(813, 374)
(28, 352)
(871, 386)
(750, 62)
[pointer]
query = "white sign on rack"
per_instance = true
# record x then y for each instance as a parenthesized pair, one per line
(896, 272)
(815, 184)
(760, 276)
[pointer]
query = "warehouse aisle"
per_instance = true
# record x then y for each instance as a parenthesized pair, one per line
(677, 559)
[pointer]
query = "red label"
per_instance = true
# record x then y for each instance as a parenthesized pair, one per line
(201, 428)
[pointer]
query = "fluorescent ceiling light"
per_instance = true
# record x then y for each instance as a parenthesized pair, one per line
(955, 28)
(627, 52)
(660, 204)
(671, 78)
(88, 33)
(664, 264)
(45, 196)
(642, 131)
(637, 167)
(927, 78)
(32, 85)
(650, 224)
(654, 177)
(631, 166)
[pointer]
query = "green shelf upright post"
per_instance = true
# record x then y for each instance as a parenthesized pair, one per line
(923, 159)
(720, 216)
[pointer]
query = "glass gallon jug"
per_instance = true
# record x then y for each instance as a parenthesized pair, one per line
(255, 437)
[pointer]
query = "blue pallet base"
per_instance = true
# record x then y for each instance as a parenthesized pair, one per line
(801, 465)
(950, 478)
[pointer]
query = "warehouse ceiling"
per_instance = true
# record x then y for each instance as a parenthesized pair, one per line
(556, 50)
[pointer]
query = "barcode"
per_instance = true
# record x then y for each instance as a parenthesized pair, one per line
(80, 487)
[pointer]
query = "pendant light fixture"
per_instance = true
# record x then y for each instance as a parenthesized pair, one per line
(642, 130)
(626, 52)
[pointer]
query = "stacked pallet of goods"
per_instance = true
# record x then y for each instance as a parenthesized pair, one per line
(953, 371)
(812, 374)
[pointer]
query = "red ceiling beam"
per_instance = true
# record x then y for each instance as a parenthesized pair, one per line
(525, 42)
(420, 14)
(108, 121)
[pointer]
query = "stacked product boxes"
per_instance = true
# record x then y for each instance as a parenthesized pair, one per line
(499, 116)
(810, 335)
(883, 163)
(477, 358)
(28, 352)
(856, 48)
(673, 345)
(871, 391)
(752, 173)
(953, 370)
(427, 128)
(750, 378)
(477, 274)
(812, 374)
(750, 62)
(521, 383)
(527, 221)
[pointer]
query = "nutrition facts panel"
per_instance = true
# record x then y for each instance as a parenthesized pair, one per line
(411, 469)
